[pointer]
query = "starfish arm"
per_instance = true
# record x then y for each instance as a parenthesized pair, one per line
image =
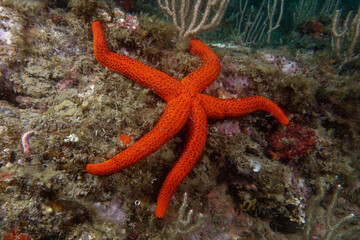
(221, 108)
(171, 122)
(209, 70)
(195, 143)
(161, 83)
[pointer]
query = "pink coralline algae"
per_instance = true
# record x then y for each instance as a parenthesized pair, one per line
(236, 83)
(270, 58)
(291, 142)
(228, 127)
(112, 213)
(65, 84)
(125, 20)
(285, 65)
(289, 67)
(224, 205)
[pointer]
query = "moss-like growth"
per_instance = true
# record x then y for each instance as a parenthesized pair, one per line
(157, 33)
(87, 9)
(150, 40)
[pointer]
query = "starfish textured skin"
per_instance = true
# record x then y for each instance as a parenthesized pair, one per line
(186, 105)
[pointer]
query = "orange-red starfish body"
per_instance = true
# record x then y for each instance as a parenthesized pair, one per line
(185, 105)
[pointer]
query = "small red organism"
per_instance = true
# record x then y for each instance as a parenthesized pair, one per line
(125, 140)
(14, 235)
(293, 141)
(315, 28)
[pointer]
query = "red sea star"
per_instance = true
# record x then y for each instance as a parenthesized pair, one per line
(186, 105)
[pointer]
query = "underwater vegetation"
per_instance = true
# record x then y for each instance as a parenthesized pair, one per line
(256, 179)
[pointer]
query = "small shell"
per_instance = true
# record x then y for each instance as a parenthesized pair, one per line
(255, 165)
